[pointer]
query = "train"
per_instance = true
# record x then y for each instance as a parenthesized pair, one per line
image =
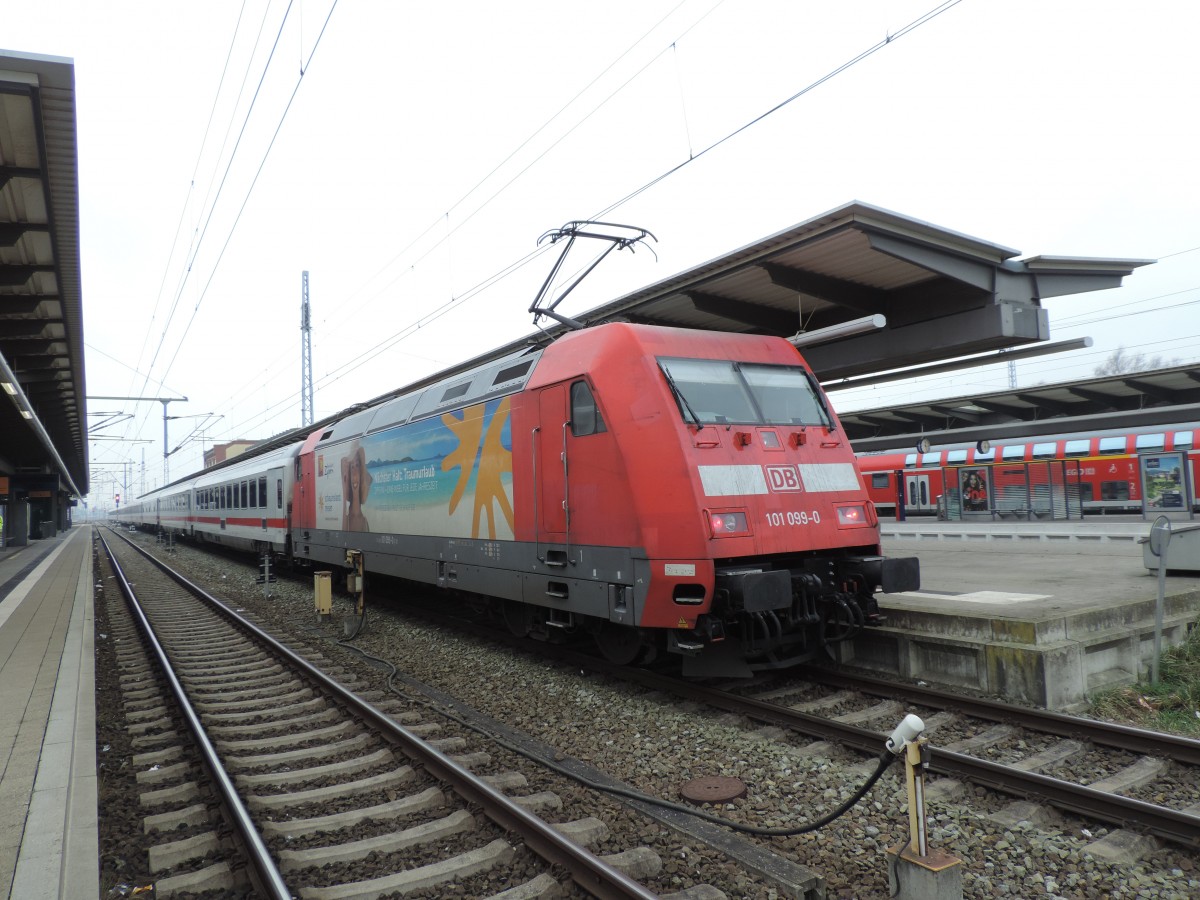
(658, 490)
(1069, 475)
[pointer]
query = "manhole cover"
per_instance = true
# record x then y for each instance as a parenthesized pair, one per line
(717, 789)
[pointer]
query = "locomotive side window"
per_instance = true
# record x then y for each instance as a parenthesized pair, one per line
(719, 392)
(585, 416)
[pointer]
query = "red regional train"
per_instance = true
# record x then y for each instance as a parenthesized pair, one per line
(657, 488)
(1060, 476)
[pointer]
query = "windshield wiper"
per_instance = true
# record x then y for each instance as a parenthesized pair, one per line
(679, 396)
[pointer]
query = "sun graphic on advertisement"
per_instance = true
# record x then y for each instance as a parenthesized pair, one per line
(495, 461)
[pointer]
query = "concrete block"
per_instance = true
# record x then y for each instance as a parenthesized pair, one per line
(936, 876)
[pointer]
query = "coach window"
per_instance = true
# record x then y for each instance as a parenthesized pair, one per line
(585, 416)
(262, 491)
(245, 496)
(1151, 441)
(1077, 448)
(1112, 445)
(279, 492)
(254, 504)
(1047, 450)
(1015, 451)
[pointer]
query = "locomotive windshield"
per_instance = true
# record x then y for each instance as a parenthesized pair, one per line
(720, 392)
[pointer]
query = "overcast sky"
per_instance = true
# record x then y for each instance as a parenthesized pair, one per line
(414, 163)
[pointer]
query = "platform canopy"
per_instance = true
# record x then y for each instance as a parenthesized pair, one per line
(942, 294)
(42, 409)
(1166, 397)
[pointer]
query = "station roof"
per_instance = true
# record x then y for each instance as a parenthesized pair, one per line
(41, 317)
(1168, 396)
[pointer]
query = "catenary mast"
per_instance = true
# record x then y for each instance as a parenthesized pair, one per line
(306, 381)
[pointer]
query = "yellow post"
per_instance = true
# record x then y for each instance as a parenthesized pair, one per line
(322, 592)
(915, 772)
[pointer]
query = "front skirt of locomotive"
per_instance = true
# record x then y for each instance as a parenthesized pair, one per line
(772, 618)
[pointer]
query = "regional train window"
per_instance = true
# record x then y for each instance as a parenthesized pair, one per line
(1112, 444)
(1114, 490)
(1014, 451)
(879, 479)
(720, 392)
(585, 416)
(1077, 448)
(1151, 441)
(910, 460)
(1047, 450)
(1183, 439)
(987, 456)
(931, 459)
(955, 456)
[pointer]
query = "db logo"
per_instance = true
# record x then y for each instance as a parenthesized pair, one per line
(783, 478)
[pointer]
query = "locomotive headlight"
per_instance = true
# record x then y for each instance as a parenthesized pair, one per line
(849, 516)
(727, 524)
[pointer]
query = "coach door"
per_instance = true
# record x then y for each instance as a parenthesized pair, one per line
(550, 465)
(917, 496)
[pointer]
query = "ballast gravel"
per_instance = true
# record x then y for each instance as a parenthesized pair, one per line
(657, 743)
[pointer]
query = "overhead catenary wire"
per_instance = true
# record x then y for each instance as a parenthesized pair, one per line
(409, 329)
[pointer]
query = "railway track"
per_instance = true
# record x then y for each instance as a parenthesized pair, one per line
(322, 795)
(864, 720)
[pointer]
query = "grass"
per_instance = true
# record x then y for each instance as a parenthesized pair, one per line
(1172, 705)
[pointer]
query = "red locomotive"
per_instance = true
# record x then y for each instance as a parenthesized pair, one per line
(660, 489)
(1060, 476)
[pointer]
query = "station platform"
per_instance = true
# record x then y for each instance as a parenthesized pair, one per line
(1040, 612)
(49, 845)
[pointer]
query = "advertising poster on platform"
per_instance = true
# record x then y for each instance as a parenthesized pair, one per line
(450, 475)
(1165, 487)
(973, 484)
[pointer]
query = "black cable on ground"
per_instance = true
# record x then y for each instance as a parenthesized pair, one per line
(885, 759)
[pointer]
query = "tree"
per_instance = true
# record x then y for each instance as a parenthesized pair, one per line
(1121, 362)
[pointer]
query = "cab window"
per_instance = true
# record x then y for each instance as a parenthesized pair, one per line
(585, 415)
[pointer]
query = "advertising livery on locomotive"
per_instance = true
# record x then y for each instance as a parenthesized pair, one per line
(659, 489)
